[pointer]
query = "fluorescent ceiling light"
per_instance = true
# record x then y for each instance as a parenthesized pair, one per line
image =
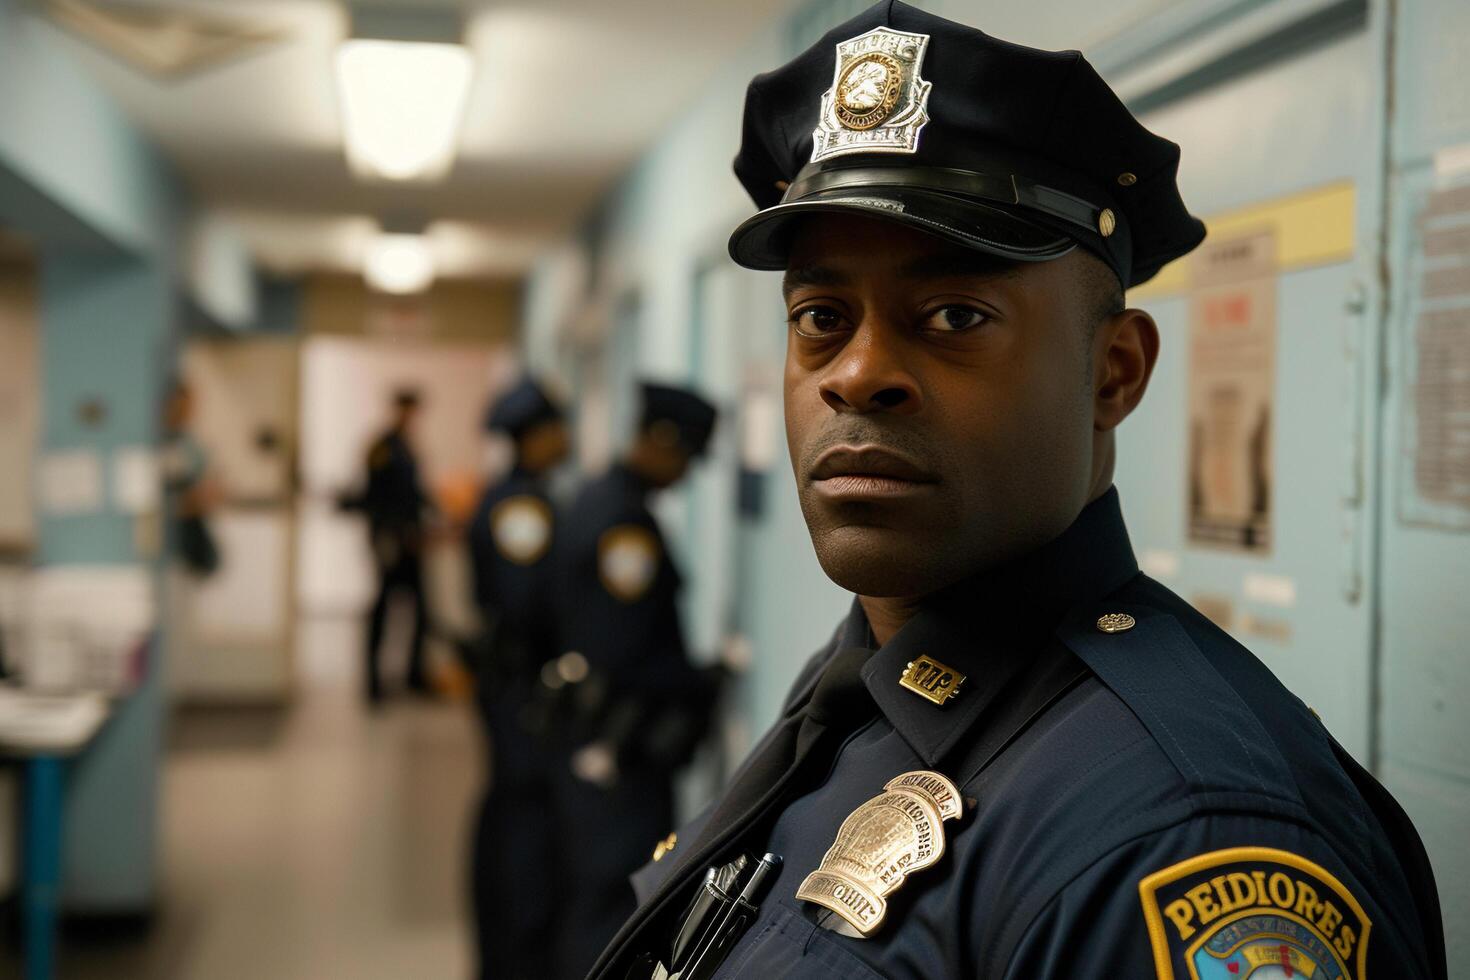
(401, 105)
(399, 264)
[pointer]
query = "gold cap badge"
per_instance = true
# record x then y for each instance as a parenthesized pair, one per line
(877, 102)
(895, 834)
(931, 679)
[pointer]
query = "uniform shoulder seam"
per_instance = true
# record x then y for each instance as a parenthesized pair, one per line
(1154, 667)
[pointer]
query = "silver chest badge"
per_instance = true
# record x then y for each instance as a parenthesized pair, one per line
(877, 102)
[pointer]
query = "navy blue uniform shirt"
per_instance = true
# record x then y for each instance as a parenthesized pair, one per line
(1137, 803)
(511, 537)
(394, 500)
(619, 608)
(640, 698)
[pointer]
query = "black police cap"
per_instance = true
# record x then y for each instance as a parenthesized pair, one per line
(1021, 153)
(692, 418)
(525, 405)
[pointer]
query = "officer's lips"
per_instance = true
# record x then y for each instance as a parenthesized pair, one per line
(867, 473)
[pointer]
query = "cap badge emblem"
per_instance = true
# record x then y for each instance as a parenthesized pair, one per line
(877, 102)
(931, 680)
(895, 834)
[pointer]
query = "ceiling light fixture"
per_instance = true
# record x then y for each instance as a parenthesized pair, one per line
(399, 264)
(402, 102)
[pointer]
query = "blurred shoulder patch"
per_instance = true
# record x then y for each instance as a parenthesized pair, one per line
(1253, 912)
(521, 528)
(627, 560)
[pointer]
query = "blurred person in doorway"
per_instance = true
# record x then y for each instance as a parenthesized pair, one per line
(633, 706)
(396, 506)
(510, 539)
(191, 493)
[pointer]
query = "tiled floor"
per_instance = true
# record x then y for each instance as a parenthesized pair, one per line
(319, 842)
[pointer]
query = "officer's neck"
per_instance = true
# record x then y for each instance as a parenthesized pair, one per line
(1089, 559)
(887, 614)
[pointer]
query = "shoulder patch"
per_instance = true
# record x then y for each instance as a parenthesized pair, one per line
(627, 560)
(521, 528)
(1253, 912)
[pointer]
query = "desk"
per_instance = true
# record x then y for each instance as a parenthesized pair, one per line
(42, 730)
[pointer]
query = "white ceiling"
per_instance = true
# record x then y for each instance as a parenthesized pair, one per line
(566, 94)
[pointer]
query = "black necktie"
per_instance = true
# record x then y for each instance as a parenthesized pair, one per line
(839, 703)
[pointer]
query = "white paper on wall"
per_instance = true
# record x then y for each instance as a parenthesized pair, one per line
(135, 480)
(69, 481)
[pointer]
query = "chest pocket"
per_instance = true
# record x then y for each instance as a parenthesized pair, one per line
(786, 946)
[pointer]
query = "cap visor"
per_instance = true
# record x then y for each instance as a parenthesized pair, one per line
(763, 241)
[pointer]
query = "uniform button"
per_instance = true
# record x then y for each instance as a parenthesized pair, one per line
(1116, 623)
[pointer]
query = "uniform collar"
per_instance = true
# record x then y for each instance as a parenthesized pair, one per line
(990, 627)
(626, 476)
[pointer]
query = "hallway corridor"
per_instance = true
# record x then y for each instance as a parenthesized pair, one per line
(312, 843)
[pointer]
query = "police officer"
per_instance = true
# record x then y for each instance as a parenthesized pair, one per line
(636, 707)
(510, 540)
(1018, 757)
(192, 494)
(395, 504)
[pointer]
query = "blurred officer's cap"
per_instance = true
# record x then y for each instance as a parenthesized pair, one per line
(683, 411)
(524, 406)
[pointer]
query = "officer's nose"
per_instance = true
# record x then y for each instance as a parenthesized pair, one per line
(870, 374)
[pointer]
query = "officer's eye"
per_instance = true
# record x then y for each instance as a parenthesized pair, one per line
(952, 319)
(816, 321)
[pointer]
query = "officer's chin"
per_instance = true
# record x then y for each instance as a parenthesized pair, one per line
(881, 562)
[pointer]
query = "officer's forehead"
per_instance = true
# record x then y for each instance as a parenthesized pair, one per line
(833, 250)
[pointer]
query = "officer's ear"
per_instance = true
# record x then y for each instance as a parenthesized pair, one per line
(1125, 348)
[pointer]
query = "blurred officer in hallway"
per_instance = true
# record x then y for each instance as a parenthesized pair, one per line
(634, 706)
(1019, 757)
(396, 506)
(192, 493)
(510, 540)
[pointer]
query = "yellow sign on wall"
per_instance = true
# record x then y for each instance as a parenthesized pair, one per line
(1315, 227)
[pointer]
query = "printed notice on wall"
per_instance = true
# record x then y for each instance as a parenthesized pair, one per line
(1232, 373)
(1441, 391)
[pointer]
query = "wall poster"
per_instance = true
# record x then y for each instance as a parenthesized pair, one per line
(1232, 375)
(1439, 438)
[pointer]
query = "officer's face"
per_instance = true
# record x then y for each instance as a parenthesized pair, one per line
(940, 404)
(544, 446)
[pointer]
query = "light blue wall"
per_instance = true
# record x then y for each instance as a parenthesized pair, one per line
(73, 146)
(1288, 126)
(106, 215)
(1268, 98)
(107, 326)
(1425, 550)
